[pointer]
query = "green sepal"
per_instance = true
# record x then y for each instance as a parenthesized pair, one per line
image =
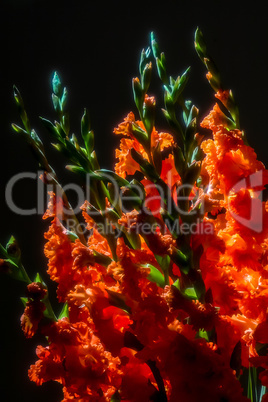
(18, 97)
(130, 200)
(52, 129)
(148, 114)
(190, 293)
(102, 225)
(200, 45)
(71, 235)
(140, 135)
(71, 149)
(138, 94)
(192, 173)
(64, 98)
(56, 85)
(232, 108)
(74, 141)
(180, 84)
(202, 334)
(56, 103)
(15, 271)
(38, 279)
(163, 261)
(227, 122)
(145, 166)
(179, 159)
(155, 47)
(60, 129)
(118, 300)
(134, 185)
(133, 239)
(87, 133)
(201, 49)
(157, 158)
(160, 60)
(144, 60)
(22, 112)
(12, 249)
(180, 259)
(146, 77)
(190, 133)
(193, 113)
(12, 259)
(155, 275)
(161, 68)
(65, 124)
(114, 197)
(37, 140)
(116, 397)
(101, 258)
(94, 160)
(24, 300)
(110, 176)
(64, 312)
(19, 129)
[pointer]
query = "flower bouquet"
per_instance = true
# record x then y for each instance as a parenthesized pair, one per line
(164, 284)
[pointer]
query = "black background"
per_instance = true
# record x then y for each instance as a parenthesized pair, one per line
(95, 48)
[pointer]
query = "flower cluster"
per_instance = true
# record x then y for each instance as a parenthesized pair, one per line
(153, 312)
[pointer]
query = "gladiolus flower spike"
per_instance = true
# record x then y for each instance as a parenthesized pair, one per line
(164, 294)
